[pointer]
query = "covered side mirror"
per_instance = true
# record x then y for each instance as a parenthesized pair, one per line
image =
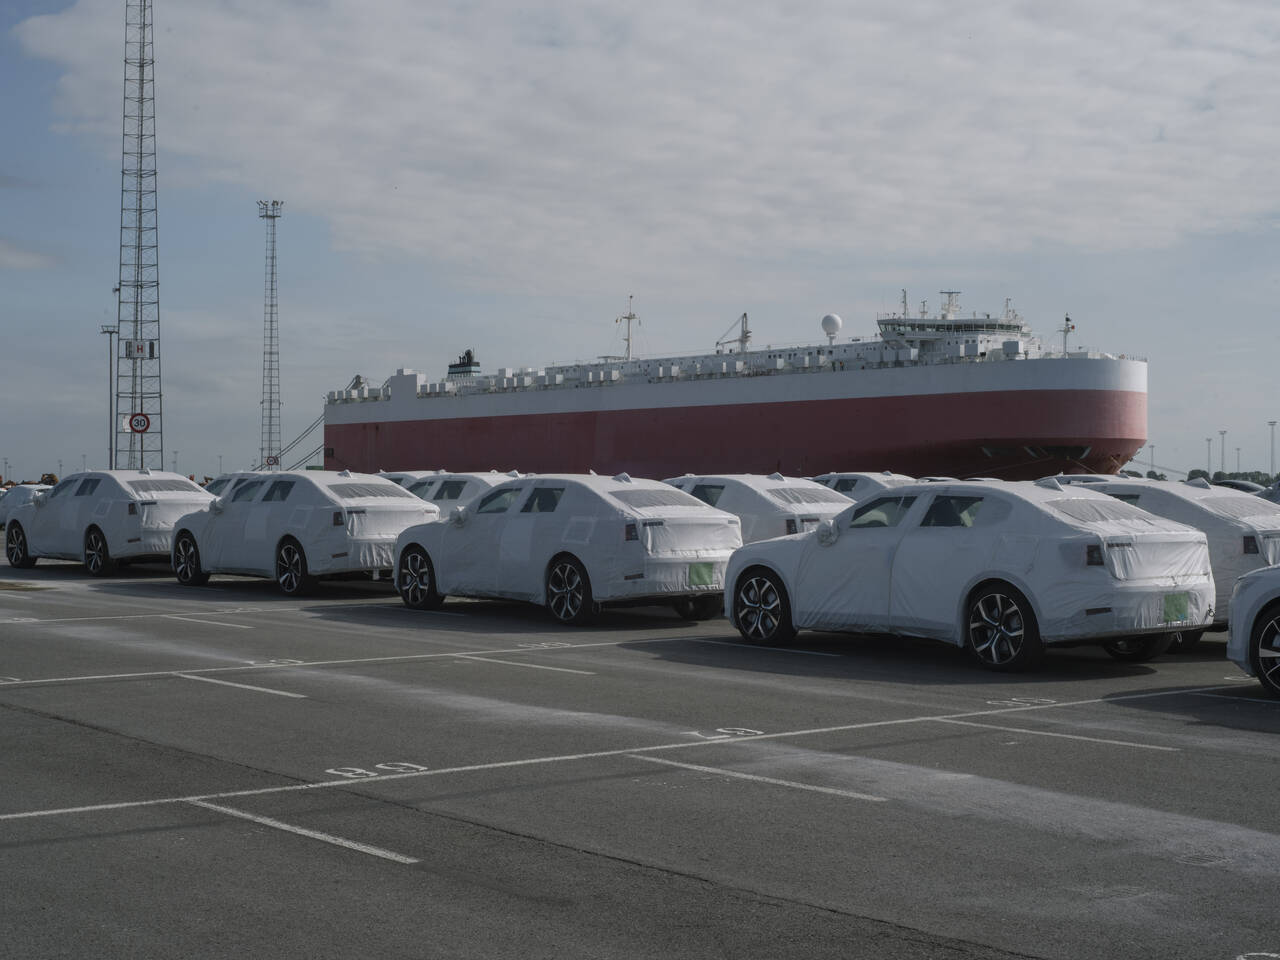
(39, 497)
(458, 516)
(828, 531)
(217, 504)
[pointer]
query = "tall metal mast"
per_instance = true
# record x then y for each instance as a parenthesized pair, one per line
(139, 436)
(270, 450)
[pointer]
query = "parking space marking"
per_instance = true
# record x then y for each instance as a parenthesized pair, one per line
(756, 646)
(216, 623)
(737, 775)
(532, 666)
(304, 832)
(347, 783)
(242, 686)
(1064, 736)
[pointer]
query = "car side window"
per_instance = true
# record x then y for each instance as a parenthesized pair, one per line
(543, 500)
(450, 490)
(247, 491)
(952, 512)
(421, 488)
(87, 487)
(499, 500)
(881, 512)
(708, 493)
(279, 490)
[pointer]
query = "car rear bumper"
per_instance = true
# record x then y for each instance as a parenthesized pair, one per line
(1127, 609)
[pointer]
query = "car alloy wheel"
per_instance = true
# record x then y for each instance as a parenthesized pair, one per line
(1002, 631)
(417, 580)
(568, 591)
(291, 569)
(97, 558)
(15, 548)
(1264, 650)
(761, 610)
(186, 562)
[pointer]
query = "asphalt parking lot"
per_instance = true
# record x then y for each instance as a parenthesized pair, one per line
(221, 771)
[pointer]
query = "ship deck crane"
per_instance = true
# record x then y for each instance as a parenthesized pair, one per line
(743, 337)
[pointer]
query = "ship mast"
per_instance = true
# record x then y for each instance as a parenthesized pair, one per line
(629, 316)
(1067, 327)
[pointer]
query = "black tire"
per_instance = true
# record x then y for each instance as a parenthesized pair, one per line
(97, 557)
(1000, 629)
(15, 547)
(1264, 649)
(699, 608)
(291, 569)
(569, 591)
(186, 561)
(1139, 649)
(416, 581)
(761, 608)
(1184, 641)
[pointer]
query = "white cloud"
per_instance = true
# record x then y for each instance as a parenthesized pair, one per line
(568, 145)
(14, 257)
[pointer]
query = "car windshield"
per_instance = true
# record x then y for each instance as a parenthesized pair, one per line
(642, 499)
(881, 512)
(215, 486)
(420, 488)
(357, 491)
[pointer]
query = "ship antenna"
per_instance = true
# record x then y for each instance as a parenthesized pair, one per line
(905, 309)
(1067, 327)
(630, 315)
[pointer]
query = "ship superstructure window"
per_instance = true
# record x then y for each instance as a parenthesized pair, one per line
(952, 512)
(500, 500)
(881, 512)
(794, 495)
(450, 490)
(708, 493)
(247, 491)
(642, 499)
(354, 491)
(543, 500)
(279, 490)
(87, 487)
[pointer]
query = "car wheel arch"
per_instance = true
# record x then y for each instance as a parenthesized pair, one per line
(981, 582)
(769, 567)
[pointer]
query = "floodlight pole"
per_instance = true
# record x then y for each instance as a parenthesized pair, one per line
(111, 332)
(1222, 454)
(1208, 457)
(1272, 425)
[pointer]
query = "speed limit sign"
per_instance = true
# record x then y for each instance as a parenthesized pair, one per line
(273, 461)
(139, 423)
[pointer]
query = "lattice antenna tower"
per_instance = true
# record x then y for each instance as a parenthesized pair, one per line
(270, 210)
(139, 433)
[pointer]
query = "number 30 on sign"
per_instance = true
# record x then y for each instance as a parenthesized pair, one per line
(139, 423)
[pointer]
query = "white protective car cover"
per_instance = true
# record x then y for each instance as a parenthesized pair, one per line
(764, 504)
(1226, 516)
(242, 531)
(448, 490)
(1253, 591)
(859, 486)
(135, 510)
(914, 578)
(636, 539)
(13, 497)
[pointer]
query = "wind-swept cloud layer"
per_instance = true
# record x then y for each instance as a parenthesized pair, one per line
(519, 144)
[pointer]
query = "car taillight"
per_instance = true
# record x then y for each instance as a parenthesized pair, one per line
(133, 509)
(632, 532)
(1250, 544)
(1093, 555)
(337, 518)
(791, 526)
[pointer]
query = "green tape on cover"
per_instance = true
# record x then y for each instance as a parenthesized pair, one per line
(1177, 607)
(702, 574)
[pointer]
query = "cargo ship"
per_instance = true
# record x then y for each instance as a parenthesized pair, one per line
(931, 394)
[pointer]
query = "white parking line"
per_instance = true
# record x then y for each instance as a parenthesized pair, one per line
(532, 666)
(242, 686)
(304, 832)
(346, 783)
(722, 772)
(216, 623)
(1064, 736)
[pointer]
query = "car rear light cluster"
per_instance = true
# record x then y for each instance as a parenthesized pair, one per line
(1250, 544)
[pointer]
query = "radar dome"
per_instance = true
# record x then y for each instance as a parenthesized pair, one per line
(831, 324)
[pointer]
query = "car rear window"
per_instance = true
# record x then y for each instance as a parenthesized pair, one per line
(806, 495)
(708, 493)
(164, 485)
(1099, 511)
(642, 499)
(358, 491)
(1237, 508)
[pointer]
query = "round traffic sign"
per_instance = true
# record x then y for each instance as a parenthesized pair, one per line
(273, 461)
(139, 423)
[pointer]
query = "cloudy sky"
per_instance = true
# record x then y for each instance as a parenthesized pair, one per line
(502, 175)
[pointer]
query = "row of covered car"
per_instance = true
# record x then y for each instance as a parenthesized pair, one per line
(1005, 569)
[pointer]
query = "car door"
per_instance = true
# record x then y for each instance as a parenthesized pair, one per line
(223, 546)
(529, 538)
(843, 583)
(46, 538)
(469, 564)
(952, 542)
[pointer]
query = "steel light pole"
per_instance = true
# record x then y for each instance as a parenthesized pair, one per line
(1151, 463)
(1237, 459)
(111, 332)
(1272, 425)
(1223, 452)
(1208, 456)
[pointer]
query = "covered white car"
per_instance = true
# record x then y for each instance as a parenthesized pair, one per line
(768, 506)
(102, 517)
(448, 490)
(296, 527)
(13, 497)
(1243, 530)
(1004, 569)
(405, 477)
(859, 486)
(1253, 641)
(573, 542)
(225, 483)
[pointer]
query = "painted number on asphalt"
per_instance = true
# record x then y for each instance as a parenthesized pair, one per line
(360, 773)
(724, 732)
(549, 645)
